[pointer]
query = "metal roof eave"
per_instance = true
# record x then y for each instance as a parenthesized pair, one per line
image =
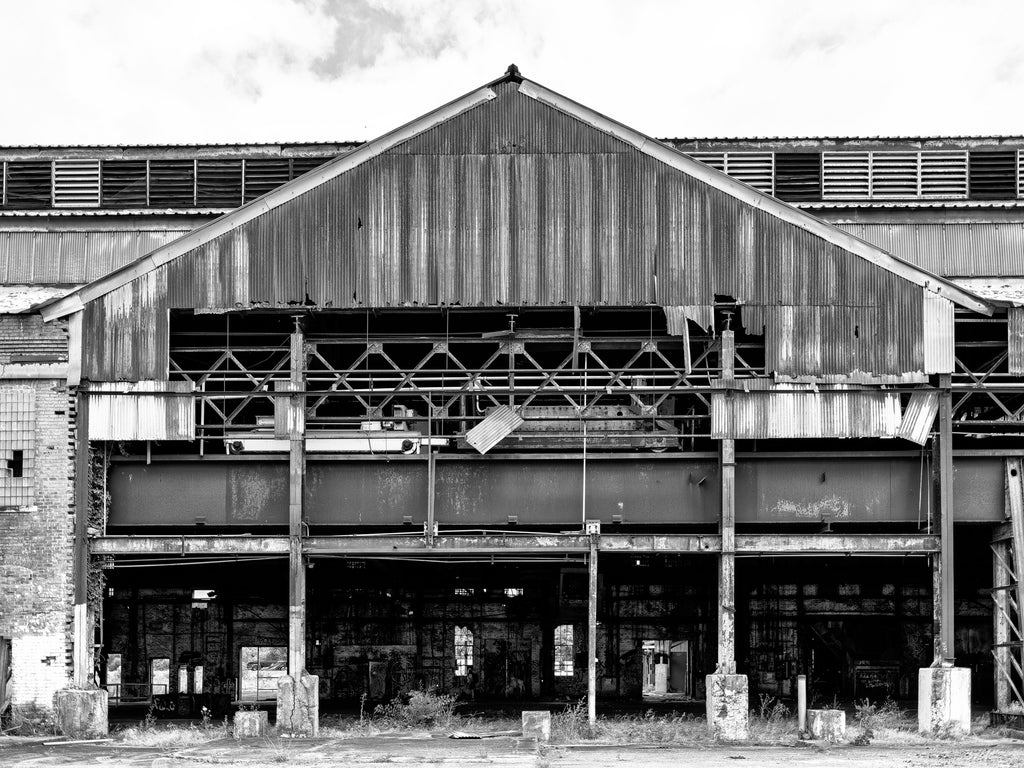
(757, 199)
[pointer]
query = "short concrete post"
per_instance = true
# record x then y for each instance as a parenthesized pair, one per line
(298, 705)
(801, 704)
(249, 724)
(827, 724)
(944, 701)
(727, 704)
(81, 714)
(537, 725)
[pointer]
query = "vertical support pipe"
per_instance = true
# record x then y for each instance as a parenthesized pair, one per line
(81, 627)
(947, 618)
(592, 633)
(296, 489)
(727, 530)
(801, 704)
(1001, 623)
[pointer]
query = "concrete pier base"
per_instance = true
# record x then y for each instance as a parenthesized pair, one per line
(81, 714)
(944, 701)
(727, 706)
(827, 724)
(249, 725)
(298, 705)
(537, 725)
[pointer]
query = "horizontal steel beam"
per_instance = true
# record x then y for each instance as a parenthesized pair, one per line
(520, 544)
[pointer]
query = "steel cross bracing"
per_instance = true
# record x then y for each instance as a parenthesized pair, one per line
(1008, 596)
(650, 384)
(986, 396)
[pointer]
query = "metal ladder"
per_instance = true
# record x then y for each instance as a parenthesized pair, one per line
(1008, 596)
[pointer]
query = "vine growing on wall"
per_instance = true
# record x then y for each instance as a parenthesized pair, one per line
(98, 502)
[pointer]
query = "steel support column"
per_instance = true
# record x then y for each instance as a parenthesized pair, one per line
(727, 531)
(82, 625)
(592, 631)
(944, 603)
(1002, 583)
(296, 487)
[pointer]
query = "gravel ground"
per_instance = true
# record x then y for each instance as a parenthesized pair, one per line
(420, 749)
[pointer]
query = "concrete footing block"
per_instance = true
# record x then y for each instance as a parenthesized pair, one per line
(944, 701)
(827, 724)
(298, 705)
(727, 707)
(248, 725)
(81, 714)
(537, 725)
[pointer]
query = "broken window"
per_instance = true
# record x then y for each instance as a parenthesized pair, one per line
(261, 667)
(17, 464)
(564, 650)
(160, 676)
(514, 592)
(183, 679)
(463, 651)
(197, 679)
(464, 592)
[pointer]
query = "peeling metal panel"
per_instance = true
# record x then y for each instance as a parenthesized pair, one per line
(919, 416)
(496, 426)
(785, 411)
(938, 334)
(1015, 340)
(124, 411)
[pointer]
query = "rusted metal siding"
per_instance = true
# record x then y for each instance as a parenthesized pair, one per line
(784, 412)
(1015, 339)
(515, 203)
(919, 416)
(125, 334)
(73, 258)
(938, 334)
(952, 250)
(123, 411)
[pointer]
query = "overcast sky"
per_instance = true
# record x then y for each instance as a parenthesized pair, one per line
(108, 72)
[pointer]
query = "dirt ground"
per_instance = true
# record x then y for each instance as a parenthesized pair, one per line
(424, 750)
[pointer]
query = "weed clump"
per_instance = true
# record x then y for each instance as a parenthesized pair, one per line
(423, 708)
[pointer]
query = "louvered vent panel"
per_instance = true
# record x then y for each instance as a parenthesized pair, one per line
(76, 183)
(29, 184)
(846, 175)
(303, 165)
(124, 183)
(219, 183)
(894, 175)
(1020, 173)
(715, 159)
(993, 175)
(265, 175)
(798, 176)
(172, 183)
(944, 174)
(754, 168)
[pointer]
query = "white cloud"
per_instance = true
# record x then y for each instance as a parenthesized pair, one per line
(260, 70)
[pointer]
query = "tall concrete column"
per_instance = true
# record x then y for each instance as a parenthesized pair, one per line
(944, 691)
(298, 695)
(593, 528)
(82, 639)
(726, 690)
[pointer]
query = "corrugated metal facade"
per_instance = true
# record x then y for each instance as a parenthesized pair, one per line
(73, 258)
(517, 203)
(122, 411)
(1015, 339)
(952, 250)
(785, 412)
(919, 416)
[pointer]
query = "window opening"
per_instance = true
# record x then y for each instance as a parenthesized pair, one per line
(463, 651)
(564, 650)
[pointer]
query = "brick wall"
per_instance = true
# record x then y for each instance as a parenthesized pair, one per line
(36, 536)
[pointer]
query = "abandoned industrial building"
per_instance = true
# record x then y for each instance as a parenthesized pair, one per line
(514, 403)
